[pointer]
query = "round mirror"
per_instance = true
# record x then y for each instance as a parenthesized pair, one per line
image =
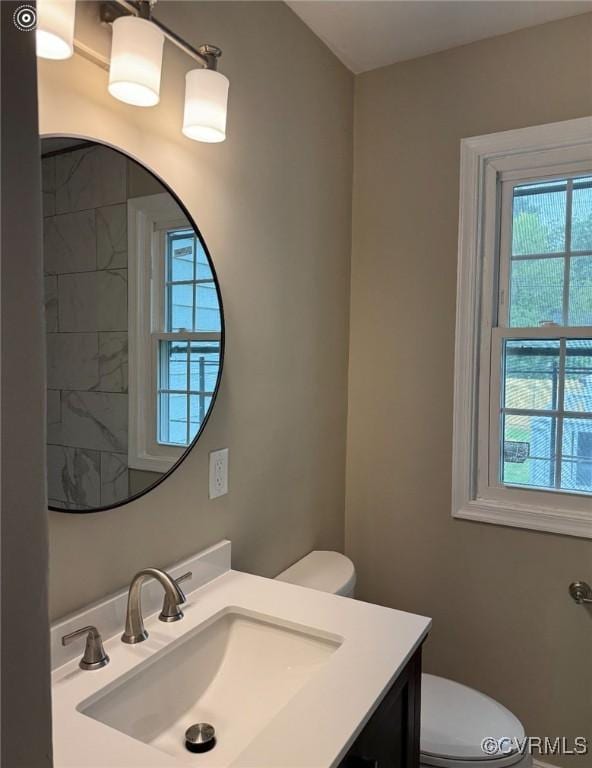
(134, 322)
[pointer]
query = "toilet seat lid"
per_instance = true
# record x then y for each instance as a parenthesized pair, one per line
(326, 571)
(456, 719)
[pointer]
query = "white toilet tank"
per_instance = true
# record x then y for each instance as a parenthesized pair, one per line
(322, 570)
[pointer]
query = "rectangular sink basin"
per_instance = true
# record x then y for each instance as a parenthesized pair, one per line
(235, 671)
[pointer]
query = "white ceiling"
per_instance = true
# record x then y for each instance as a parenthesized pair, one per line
(366, 34)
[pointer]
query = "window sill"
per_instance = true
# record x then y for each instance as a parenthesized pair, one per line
(152, 463)
(550, 520)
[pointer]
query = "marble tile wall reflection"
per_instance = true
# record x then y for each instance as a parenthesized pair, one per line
(93, 301)
(114, 477)
(85, 262)
(113, 357)
(54, 408)
(48, 185)
(72, 361)
(91, 420)
(89, 178)
(70, 243)
(111, 222)
(51, 304)
(73, 476)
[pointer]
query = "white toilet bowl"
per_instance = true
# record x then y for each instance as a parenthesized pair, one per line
(454, 719)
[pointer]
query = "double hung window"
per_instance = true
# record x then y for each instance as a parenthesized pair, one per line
(523, 379)
(175, 333)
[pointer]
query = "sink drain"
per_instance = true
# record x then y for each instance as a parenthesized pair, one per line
(200, 737)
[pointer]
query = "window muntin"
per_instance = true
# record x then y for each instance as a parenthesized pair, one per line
(187, 381)
(543, 427)
(191, 298)
(188, 365)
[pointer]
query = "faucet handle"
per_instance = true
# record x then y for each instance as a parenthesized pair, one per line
(171, 610)
(94, 653)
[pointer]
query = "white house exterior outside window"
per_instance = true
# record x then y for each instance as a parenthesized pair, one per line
(523, 369)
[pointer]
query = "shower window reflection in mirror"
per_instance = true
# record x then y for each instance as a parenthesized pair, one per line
(175, 332)
(188, 369)
(135, 331)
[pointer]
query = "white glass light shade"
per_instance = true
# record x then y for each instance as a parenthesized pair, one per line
(136, 61)
(206, 97)
(54, 35)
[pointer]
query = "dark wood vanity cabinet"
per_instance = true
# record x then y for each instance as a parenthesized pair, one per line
(390, 738)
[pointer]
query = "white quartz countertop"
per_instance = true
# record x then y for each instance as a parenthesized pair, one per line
(313, 730)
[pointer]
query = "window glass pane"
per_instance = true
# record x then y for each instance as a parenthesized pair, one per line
(180, 307)
(538, 218)
(173, 365)
(199, 407)
(536, 292)
(205, 362)
(576, 460)
(173, 418)
(181, 257)
(208, 310)
(578, 376)
(581, 223)
(580, 290)
(204, 271)
(528, 452)
(531, 375)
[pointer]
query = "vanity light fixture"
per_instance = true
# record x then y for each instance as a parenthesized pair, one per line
(136, 61)
(206, 99)
(54, 35)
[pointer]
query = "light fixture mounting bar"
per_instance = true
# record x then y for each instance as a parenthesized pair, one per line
(206, 55)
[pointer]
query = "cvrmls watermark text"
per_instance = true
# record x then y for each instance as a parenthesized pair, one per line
(535, 745)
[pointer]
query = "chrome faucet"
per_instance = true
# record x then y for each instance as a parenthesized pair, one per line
(134, 623)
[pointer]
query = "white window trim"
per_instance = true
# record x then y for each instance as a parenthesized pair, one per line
(483, 159)
(148, 217)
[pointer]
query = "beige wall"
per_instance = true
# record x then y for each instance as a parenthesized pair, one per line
(503, 621)
(274, 205)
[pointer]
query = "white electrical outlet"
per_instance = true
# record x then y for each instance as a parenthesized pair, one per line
(218, 473)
